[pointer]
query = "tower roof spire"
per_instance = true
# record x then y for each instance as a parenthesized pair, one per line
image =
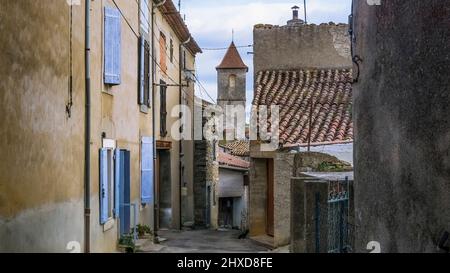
(232, 59)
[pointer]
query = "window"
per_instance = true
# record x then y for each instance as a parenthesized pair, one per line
(144, 16)
(162, 52)
(171, 50)
(232, 82)
(109, 193)
(163, 109)
(144, 73)
(112, 46)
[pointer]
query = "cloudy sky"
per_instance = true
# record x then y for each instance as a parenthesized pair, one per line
(212, 21)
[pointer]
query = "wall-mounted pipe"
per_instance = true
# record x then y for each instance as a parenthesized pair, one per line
(87, 135)
(181, 66)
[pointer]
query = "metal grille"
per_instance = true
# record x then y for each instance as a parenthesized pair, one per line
(336, 217)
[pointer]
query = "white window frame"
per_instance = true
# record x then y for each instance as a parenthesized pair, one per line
(110, 145)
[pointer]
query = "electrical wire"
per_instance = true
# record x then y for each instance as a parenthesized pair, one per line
(225, 48)
(154, 57)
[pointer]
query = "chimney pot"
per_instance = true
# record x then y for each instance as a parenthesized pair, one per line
(295, 12)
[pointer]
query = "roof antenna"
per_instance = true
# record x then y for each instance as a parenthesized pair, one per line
(306, 22)
(232, 35)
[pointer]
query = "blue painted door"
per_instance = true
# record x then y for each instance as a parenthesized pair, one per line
(124, 192)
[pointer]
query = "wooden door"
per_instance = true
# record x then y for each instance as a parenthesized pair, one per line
(270, 198)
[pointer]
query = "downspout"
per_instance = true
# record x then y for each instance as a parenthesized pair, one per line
(87, 135)
(181, 152)
(155, 203)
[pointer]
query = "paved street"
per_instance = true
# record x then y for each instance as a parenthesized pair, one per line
(203, 241)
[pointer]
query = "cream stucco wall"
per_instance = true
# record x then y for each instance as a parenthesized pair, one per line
(41, 189)
(171, 77)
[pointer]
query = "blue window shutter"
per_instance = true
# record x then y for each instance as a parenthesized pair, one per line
(147, 170)
(141, 69)
(103, 186)
(117, 177)
(112, 46)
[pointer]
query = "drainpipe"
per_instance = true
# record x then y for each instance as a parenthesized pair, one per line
(155, 203)
(87, 135)
(181, 151)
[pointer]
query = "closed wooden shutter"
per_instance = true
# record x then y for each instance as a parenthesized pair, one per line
(112, 46)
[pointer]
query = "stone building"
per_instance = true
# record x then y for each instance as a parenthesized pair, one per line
(77, 133)
(206, 176)
(401, 114)
(231, 91)
(305, 70)
(232, 191)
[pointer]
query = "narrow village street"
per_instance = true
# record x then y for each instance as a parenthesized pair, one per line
(204, 241)
(243, 126)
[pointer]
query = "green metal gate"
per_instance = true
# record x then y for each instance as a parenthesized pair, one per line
(336, 215)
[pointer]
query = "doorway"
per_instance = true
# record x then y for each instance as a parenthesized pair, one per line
(164, 190)
(226, 212)
(270, 220)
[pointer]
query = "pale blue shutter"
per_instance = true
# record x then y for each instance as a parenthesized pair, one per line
(147, 170)
(141, 70)
(103, 186)
(112, 46)
(117, 178)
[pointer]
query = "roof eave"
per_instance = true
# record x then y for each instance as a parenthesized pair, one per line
(176, 22)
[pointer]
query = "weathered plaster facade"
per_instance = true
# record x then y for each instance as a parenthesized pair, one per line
(184, 188)
(39, 142)
(41, 182)
(401, 109)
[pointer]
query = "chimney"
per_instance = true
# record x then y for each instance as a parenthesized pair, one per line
(295, 20)
(295, 12)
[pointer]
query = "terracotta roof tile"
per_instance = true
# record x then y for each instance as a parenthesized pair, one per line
(232, 161)
(238, 147)
(232, 59)
(330, 91)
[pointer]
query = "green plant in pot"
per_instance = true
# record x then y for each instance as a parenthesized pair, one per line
(127, 241)
(143, 231)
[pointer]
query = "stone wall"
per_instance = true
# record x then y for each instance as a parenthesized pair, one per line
(258, 196)
(282, 187)
(307, 46)
(206, 173)
(402, 129)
